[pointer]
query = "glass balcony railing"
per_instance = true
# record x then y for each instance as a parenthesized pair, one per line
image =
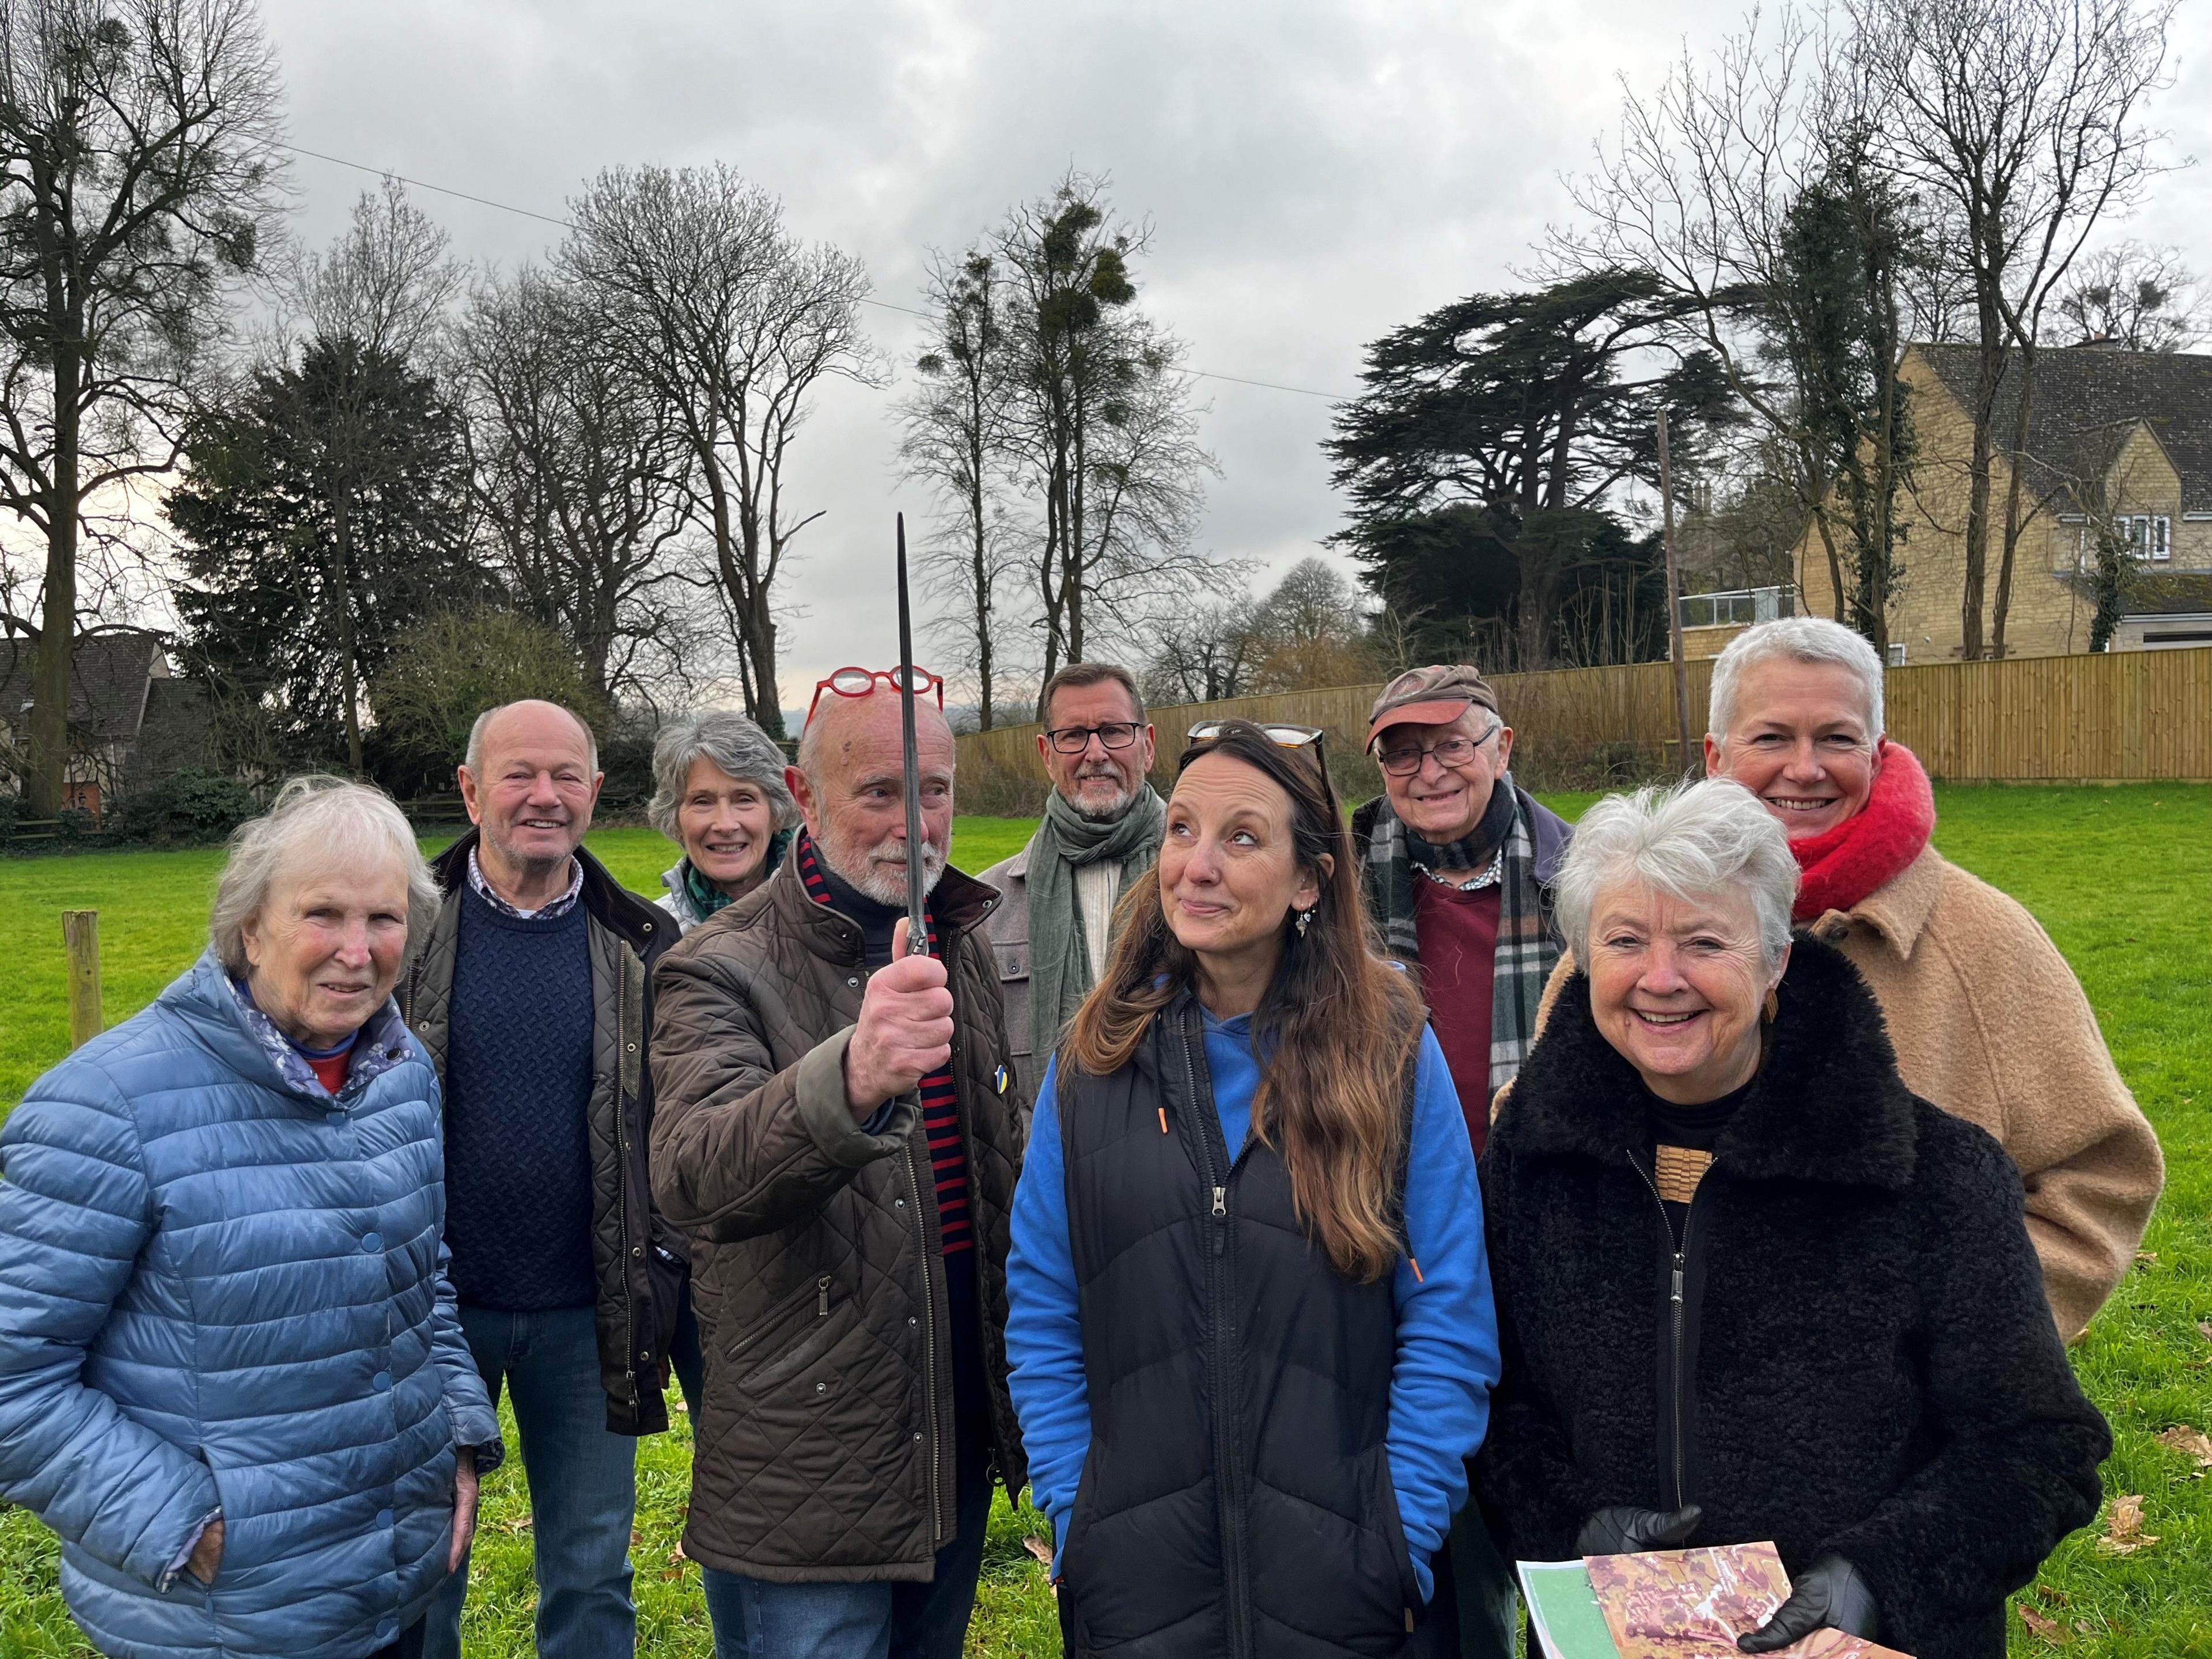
(1739, 608)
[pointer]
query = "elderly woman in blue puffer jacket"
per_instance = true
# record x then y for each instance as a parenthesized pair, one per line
(231, 1375)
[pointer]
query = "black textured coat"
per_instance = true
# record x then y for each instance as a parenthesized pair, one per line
(1873, 1368)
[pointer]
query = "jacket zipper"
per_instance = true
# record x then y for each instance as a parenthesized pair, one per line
(928, 1352)
(1677, 1310)
(622, 1183)
(1228, 1465)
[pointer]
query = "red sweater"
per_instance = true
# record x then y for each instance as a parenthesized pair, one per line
(1457, 929)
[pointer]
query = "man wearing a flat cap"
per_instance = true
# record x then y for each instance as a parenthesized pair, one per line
(1457, 862)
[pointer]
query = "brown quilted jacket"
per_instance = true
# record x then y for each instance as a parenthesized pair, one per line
(825, 1449)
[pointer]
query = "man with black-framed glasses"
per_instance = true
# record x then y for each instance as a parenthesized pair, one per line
(1101, 831)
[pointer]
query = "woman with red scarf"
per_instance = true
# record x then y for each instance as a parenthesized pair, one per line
(1989, 1022)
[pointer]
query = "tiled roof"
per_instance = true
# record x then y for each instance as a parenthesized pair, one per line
(2170, 594)
(2088, 400)
(108, 673)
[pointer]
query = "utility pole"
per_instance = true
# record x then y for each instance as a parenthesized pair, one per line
(1673, 597)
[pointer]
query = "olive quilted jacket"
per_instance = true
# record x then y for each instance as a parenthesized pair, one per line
(825, 1448)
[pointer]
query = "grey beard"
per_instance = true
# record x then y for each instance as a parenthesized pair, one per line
(1112, 813)
(885, 884)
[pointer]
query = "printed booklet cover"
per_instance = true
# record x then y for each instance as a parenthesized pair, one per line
(1672, 1604)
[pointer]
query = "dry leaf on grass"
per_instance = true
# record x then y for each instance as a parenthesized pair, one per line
(1037, 1547)
(2204, 1329)
(676, 1554)
(2189, 1442)
(2146, 1258)
(521, 1523)
(2124, 1532)
(681, 1406)
(2042, 1625)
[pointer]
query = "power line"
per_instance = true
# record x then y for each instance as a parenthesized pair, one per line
(882, 305)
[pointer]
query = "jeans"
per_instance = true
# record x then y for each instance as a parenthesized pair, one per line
(582, 1480)
(754, 1619)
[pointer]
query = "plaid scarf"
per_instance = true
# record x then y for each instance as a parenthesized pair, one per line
(1528, 945)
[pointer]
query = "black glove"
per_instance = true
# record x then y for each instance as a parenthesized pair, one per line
(1624, 1530)
(1830, 1593)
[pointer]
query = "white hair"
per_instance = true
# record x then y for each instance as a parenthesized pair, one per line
(729, 741)
(351, 824)
(1799, 639)
(1693, 841)
(473, 759)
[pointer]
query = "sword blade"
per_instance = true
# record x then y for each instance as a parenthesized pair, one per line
(917, 923)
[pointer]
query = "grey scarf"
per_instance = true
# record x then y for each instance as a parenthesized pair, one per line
(1059, 954)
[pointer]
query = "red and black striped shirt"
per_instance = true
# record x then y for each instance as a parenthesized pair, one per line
(940, 1110)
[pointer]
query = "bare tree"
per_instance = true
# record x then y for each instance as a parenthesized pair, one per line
(1203, 654)
(724, 313)
(2024, 117)
(579, 465)
(137, 175)
(378, 300)
(1746, 185)
(2139, 298)
(1100, 420)
(954, 433)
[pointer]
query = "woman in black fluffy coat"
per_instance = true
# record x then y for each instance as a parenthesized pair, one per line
(1748, 1286)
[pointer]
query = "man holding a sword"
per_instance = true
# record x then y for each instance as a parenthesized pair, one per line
(839, 1129)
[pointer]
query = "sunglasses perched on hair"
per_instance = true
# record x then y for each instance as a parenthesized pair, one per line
(1456, 750)
(859, 682)
(1280, 733)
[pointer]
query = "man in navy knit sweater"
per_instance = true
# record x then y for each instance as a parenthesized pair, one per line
(532, 998)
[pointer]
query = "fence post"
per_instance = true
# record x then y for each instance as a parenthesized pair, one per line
(81, 933)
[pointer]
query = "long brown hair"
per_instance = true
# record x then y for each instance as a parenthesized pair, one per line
(1335, 1032)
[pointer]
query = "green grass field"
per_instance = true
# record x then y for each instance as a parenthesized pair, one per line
(2121, 877)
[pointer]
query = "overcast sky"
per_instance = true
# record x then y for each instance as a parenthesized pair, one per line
(1315, 174)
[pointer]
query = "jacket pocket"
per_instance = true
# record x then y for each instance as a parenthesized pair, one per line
(793, 1334)
(1011, 958)
(1392, 1525)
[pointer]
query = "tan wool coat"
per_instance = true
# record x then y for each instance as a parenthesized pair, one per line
(1991, 1025)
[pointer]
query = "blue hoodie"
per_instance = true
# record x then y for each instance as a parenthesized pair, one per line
(1447, 1358)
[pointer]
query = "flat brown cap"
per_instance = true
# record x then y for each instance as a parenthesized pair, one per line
(1435, 695)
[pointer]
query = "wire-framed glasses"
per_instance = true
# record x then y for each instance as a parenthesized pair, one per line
(1281, 733)
(1453, 751)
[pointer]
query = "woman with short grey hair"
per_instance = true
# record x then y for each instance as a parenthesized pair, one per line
(231, 1373)
(717, 792)
(1797, 719)
(1721, 1226)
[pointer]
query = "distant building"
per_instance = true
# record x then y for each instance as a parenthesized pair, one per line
(2117, 440)
(132, 721)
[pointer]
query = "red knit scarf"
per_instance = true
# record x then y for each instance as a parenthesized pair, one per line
(1842, 865)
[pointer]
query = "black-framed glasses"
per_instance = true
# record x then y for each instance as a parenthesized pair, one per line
(1455, 750)
(1281, 733)
(1075, 740)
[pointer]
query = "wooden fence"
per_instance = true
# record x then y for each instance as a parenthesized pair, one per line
(2117, 717)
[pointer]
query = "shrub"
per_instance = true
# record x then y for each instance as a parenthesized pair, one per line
(190, 807)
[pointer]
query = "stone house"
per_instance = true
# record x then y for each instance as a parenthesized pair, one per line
(2117, 440)
(132, 721)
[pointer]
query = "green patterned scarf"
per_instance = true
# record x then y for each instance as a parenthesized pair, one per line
(1059, 955)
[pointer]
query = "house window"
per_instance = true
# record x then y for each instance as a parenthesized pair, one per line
(1897, 654)
(2150, 535)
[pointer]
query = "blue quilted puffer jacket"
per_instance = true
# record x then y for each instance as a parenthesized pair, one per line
(222, 1291)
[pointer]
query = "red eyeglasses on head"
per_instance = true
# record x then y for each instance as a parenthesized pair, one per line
(859, 682)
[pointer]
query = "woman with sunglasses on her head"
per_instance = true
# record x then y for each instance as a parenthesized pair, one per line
(1250, 1328)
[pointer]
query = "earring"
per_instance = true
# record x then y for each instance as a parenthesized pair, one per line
(1305, 920)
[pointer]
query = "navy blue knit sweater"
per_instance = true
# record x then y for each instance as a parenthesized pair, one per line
(518, 1091)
